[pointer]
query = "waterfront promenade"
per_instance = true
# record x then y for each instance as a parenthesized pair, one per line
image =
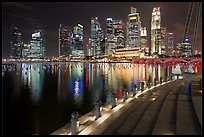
(171, 108)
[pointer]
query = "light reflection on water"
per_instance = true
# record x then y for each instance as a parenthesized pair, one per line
(50, 92)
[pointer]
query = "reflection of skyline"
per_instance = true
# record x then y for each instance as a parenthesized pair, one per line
(60, 88)
(32, 75)
(97, 77)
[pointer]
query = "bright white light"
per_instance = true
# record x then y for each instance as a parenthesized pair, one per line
(109, 19)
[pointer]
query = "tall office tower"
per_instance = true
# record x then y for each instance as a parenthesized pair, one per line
(170, 44)
(133, 28)
(110, 42)
(95, 45)
(65, 38)
(155, 31)
(89, 49)
(163, 40)
(16, 43)
(101, 40)
(26, 50)
(77, 45)
(143, 36)
(184, 49)
(37, 45)
(143, 42)
(119, 33)
(114, 35)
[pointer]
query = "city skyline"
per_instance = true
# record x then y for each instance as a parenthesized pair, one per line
(29, 16)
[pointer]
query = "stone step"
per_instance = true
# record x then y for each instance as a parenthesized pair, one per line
(187, 122)
(166, 122)
(132, 120)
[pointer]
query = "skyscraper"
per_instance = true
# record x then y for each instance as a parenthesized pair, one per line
(119, 33)
(77, 41)
(170, 44)
(143, 42)
(184, 48)
(163, 37)
(96, 36)
(37, 45)
(143, 36)
(110, 42)
(155, 31)
(114, 35)
(133, 28)
(65, 38)
(26, 50)
(16, 43)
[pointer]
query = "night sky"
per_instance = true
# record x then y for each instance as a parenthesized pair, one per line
(28, 16)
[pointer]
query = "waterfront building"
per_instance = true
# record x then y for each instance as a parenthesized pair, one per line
(77, 41)
(143, 42)
(65, 38)
(96, 38)
(89, 48)
(110, 41)
(129, 53)
(16, 43)
(184, 49)
(163, 40)
(101, 50)
(119, 33)
(26, 50)
(37, 45)
(170, 44)
(155, 31)
(114, 35)
(133, 28)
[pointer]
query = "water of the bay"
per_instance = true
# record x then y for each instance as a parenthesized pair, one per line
(38, 98)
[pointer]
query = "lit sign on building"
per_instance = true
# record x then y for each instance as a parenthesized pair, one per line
(132, 18)
(186, 40)
(80, 25)
(143, 32)
(36, 35)
(119, 27)
(109, 19)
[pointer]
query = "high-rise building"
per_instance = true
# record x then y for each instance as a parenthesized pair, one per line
(119, 33)
(96, 38)
(26, 50)
(133, 28)
(143, 42)
(101, 40)
(65, 38)
(170, 44)
(163, 40)
(114, 35)
(37, 45)
(16, 43)
(185, 48)
(156, 31)
(77, 41)
(143, 36)
(110, 41)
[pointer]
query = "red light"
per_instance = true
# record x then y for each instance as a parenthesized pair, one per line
(119, 27)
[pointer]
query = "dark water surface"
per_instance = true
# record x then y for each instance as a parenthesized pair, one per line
(38, 98)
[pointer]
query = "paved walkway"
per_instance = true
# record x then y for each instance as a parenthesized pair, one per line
(158, 111)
